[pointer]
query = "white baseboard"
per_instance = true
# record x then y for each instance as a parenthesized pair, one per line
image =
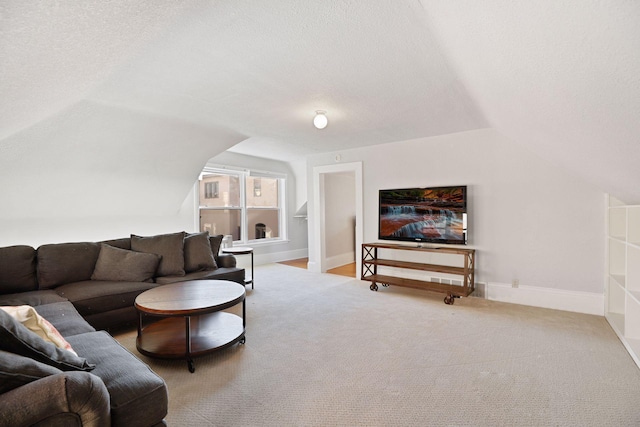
(340, 260)
(244, 261)
(579, 302)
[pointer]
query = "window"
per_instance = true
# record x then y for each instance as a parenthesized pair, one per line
(247, 205)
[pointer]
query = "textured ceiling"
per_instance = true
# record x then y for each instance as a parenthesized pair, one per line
(92, 85)
(264, 68)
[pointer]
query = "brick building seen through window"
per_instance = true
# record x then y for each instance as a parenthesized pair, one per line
(241, 205)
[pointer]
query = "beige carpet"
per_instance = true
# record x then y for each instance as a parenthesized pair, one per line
(324, 350)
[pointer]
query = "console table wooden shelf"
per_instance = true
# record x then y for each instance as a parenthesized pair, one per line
(371, 261)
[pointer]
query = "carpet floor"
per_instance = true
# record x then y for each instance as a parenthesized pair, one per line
(324, 350)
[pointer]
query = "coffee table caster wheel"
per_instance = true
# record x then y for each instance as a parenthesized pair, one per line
(373, 287)
(191, 366)
(386, 285)
(242, 340)
(449, 300)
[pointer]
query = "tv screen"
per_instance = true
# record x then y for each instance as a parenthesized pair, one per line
(433, 215)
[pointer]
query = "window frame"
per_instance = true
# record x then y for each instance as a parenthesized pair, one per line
(242, 175)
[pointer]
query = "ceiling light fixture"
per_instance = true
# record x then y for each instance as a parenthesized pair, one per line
(320, 121)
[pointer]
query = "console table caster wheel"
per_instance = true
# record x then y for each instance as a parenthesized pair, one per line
(450, 299)
(373, 287)
(191, 366)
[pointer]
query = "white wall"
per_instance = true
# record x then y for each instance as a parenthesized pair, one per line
(299, 170)
(42, 227)
(528, 220)
(340, 212)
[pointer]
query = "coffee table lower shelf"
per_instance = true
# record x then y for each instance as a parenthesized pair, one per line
(190, 336)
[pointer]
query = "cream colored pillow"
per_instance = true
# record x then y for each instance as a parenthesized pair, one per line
(37, 324)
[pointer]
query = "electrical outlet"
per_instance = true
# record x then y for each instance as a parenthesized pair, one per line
(515, 283)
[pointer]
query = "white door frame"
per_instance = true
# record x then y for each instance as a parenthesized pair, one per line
(318, 262)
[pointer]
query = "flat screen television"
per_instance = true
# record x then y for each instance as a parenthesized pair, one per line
(431, 215)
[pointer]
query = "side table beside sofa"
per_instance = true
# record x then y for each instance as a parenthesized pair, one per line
(78, 289)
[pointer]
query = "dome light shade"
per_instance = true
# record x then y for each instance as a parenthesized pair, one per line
(320, 121)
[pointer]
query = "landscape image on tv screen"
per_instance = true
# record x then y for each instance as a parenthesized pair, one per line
(437, 215)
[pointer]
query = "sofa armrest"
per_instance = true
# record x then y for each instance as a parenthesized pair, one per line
(226, 261)
(69, 398)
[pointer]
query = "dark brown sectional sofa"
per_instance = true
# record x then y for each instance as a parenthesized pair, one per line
(80, 288)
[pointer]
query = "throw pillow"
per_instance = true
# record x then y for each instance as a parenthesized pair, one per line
(121, 265)
(197, 253)
(37, 324)
(16, 370)
(16, 338)
(169, 246)
(216, 242)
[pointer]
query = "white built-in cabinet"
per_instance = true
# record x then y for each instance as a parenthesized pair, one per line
(623, 279)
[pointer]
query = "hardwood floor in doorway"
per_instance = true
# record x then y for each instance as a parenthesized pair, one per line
(348, 270)
(300, 263)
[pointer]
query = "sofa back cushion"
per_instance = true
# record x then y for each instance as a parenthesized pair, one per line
(169, 246)
(123, 243)
(18, 269)
(66, 263)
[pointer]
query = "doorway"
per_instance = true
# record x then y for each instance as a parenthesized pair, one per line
(329, 212)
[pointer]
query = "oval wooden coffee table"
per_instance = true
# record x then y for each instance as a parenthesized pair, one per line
(191, 321)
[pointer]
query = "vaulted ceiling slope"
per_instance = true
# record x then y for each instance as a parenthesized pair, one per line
(561, 77)
(93, 89)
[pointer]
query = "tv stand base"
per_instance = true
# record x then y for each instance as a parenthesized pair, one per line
(371, 261)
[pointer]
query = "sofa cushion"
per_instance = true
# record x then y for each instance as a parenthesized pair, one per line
(123, 243)
(33, 298)
(115, 264)
(169, 246)
(65, 318)
(17, 269)
(126, 317)
(138, 395)
(97, 296)
(65, 263)
(16, 370)
(232, 274)
(16, 338)
(197, 253)
(226, 260)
